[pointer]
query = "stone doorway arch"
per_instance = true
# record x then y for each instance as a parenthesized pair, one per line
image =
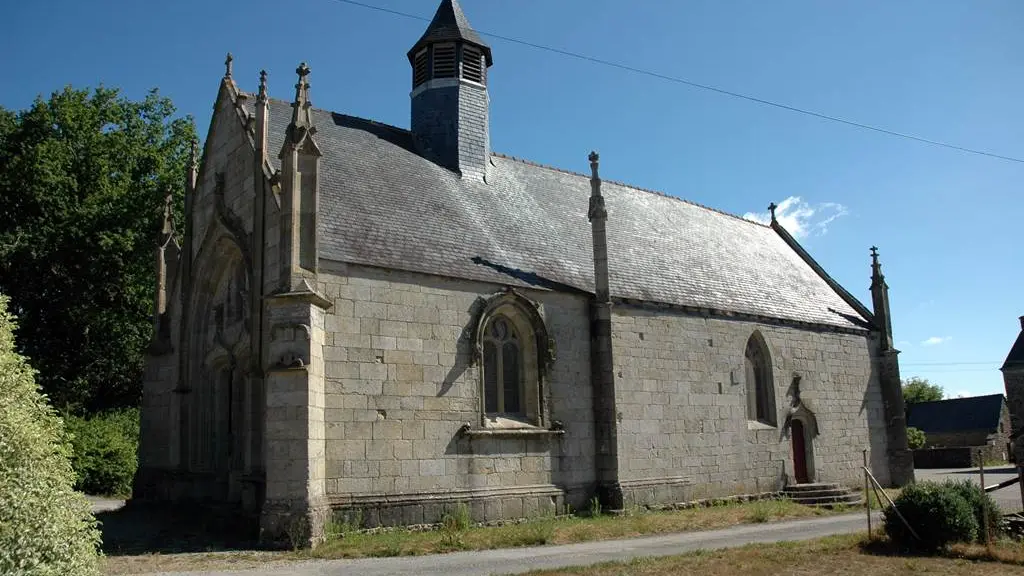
(803, 428)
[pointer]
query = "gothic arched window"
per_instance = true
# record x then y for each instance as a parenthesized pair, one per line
(503, 368)
(514, 351)
(760, 389)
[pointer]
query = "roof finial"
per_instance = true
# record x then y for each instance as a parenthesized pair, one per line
(262, 95)
(300, 108)
(876, 267)
(227, 65)
(168, 228)
(771, 209)
(597, 209)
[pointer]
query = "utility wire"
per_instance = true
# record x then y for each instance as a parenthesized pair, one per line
(707, 87)
(945, 363)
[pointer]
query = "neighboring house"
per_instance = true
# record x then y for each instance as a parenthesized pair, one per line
(1013, 380)
(978, 422)
(386, 321)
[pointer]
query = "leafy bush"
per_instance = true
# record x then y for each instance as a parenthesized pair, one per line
(938, 514)
(980, 503)
(105, 451)
(915, 438)
(45, 527)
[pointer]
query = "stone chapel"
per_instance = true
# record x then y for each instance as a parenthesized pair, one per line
(369, 319)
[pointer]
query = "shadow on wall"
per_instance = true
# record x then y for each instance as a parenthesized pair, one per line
(878, 462)
(463, 354)
(138, 529)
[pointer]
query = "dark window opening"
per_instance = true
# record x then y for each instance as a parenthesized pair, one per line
(444, 61)
(419, 68)
(472, 64)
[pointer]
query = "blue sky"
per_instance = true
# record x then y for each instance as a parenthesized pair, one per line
(947, 223)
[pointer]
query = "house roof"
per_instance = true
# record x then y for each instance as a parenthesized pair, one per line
(956, 415)
(382, 204)
(1015, 359)
(449, 25)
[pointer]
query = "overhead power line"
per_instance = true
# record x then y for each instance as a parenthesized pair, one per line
(722, 91)
(945, 363)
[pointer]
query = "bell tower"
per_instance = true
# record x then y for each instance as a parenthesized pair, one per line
(450, 102)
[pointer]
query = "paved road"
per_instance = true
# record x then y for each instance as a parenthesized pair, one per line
(518, 560)
(1007, 498)
(103, 504)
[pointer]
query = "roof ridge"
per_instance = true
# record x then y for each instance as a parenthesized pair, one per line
(632, 187)
(1000, 394)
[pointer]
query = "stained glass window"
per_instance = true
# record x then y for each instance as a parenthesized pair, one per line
(502, 357)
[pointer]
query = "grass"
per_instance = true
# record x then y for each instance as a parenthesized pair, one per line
(849, 555)
(457, 534)
(560, 530)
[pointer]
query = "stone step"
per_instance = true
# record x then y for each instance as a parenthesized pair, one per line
(812, 487)
(816, 493)
(834, 499)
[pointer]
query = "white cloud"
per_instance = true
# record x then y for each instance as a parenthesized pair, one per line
(935, 340)
(959, 394)
(801, 218)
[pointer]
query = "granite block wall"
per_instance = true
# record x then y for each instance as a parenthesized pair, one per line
(680, 397)
(401, 383)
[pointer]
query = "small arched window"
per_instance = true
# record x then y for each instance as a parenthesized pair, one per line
(760, 389)
(503, 368)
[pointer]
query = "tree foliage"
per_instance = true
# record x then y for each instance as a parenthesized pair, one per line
(45, 526)
(82, 181)
(105, 450)
(915, 438)
(920, 390)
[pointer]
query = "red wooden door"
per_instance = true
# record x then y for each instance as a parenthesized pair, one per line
(799, 452)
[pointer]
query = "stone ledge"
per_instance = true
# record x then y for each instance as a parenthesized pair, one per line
(510, 432)
(664, 481)
(456, 495)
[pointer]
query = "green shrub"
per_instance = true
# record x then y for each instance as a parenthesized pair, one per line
(915, 438)
(105, 451)
(45, 526)
(980, 503)
(938, 514)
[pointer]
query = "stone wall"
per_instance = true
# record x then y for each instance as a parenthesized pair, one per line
(401, 382)
(228, 160)
(680, 394)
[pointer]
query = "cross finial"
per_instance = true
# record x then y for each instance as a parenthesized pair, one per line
(771, 209)
(227, 65)
(300, 108)
(597, 209)
(263, 85)
(876, 267)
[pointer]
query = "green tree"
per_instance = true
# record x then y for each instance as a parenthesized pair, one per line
(915, 438)
(83, 176)
(920, 390)
(45, 526)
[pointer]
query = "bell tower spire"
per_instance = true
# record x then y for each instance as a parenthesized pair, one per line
(450, 103)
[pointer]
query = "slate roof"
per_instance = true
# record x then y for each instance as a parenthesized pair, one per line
(381, 204)
(1015, 358)
(956, 415)
(449, 25)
